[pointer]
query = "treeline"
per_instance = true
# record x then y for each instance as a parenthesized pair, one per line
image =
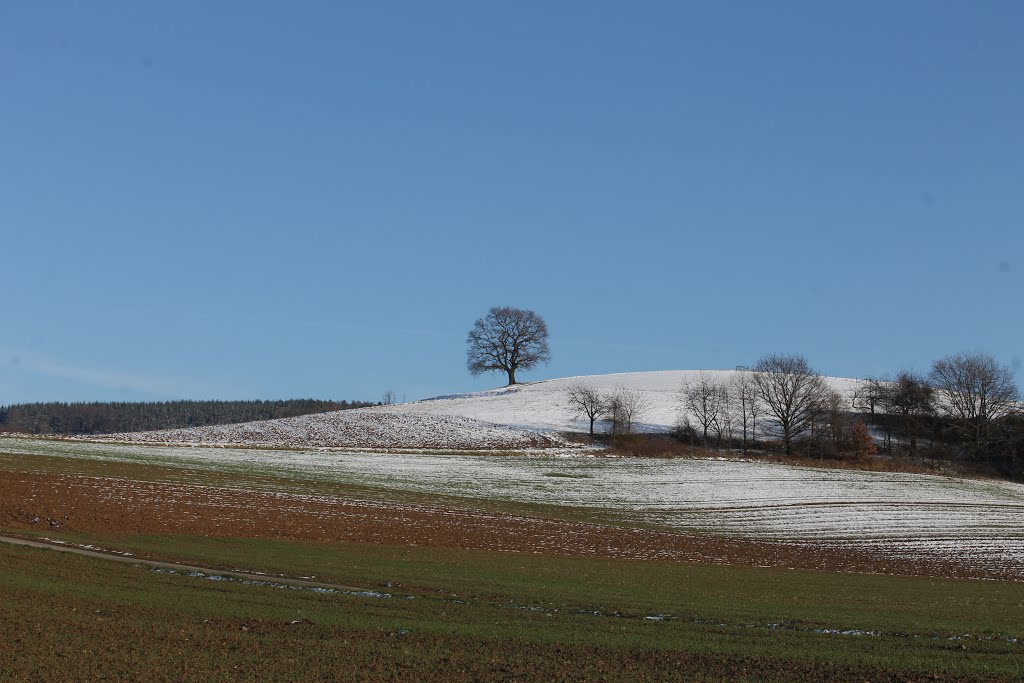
(108, 418)
(780, 402)
(966, 409)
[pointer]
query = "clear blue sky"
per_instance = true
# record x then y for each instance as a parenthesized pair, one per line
(241, 199)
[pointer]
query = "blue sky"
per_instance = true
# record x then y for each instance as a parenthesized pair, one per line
(242, 200)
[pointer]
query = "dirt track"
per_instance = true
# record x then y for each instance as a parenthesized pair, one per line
(124, 507)
(186, 568)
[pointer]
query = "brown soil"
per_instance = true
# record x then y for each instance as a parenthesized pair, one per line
(659, 446)
(124, 507)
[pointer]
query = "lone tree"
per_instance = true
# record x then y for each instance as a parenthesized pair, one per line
(507, 339)
(586, 400)
(792, 392)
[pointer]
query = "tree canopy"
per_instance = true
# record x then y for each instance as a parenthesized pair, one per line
(507, 339)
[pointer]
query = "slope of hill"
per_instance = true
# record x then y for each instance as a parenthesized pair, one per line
(367, 428)
(542, 406)
(521, 416)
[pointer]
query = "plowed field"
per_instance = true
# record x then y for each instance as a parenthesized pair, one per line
(111, 506)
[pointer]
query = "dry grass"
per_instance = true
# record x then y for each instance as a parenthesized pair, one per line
(666, 446)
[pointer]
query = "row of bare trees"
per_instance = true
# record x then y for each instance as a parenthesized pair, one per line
(622, 407)
(968, 404)
(721, 407)
(967, 399)
(784, 388)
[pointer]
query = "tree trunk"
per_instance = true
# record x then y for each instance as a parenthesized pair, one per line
(591, 425)
(511, 376)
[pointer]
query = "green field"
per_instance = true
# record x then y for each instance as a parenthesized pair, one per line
(488, 616)
(468, 614)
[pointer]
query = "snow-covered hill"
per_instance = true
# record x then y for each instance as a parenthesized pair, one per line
(542, 406)
(517, 417)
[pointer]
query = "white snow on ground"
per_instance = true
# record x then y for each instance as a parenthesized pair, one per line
(542, 406)
(517, 417)
(365, 428)
(903, 515)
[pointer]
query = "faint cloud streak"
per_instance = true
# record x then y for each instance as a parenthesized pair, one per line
(38, 364)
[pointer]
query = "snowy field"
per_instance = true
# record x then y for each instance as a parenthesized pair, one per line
(517, 417)
(363, 428)
(905, 515)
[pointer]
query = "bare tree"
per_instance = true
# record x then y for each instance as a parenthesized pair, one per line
(586, 400)
(912, 398)
(975, 391)
(743, 402)
(389, 398)
(726, 417)
(833, 409)
(870, 394)
(625, 407)
(756, 409)
(704, 398)
(792, 393)
(507, 339)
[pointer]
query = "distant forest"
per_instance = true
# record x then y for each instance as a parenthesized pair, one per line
(108, 418)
